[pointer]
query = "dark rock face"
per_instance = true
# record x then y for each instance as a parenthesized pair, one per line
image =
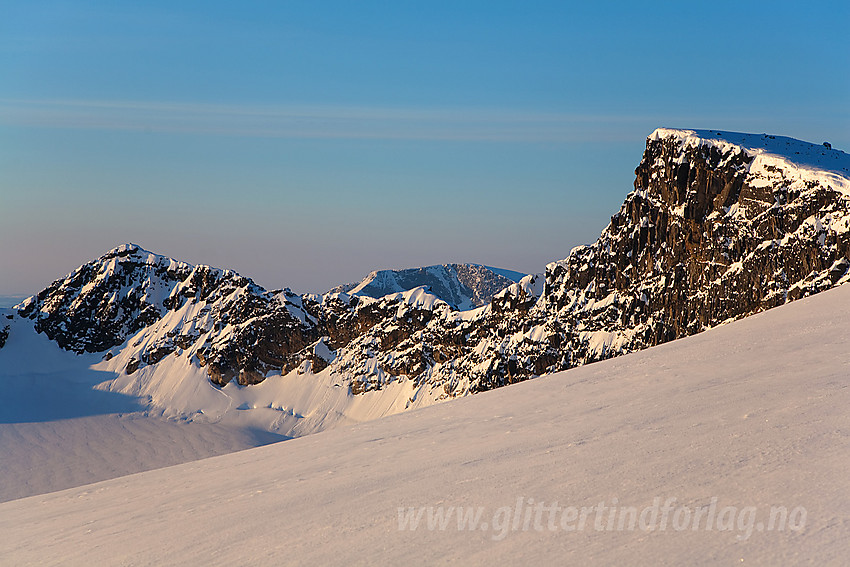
(483, 284)
(711, 233)
(234, 328)
(704, 243)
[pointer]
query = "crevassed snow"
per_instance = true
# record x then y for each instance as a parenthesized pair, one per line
(45, 456)
(750, 416)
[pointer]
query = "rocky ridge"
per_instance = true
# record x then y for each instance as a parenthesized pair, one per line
(719, 226)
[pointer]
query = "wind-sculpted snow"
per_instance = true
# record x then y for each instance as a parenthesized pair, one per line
(719, 226)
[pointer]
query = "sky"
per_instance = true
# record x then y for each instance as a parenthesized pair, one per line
(305, 144)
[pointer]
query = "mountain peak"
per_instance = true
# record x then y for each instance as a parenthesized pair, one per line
(104, 301)
(125, 248)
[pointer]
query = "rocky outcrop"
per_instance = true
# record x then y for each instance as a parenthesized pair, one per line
(712, 232)
(715, 230)
(4, 335)
(232, 327)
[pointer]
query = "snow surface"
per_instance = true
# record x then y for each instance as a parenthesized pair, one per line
(753, 413)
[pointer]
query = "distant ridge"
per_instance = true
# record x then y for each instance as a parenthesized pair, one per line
(462, 286)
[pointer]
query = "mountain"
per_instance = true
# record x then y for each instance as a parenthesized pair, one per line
(719, 226)
(462, 286)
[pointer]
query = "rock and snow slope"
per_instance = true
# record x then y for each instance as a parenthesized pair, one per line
(719, 226)
(68, 419)
(750, 415)
(58, 429)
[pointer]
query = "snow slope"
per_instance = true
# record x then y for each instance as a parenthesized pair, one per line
(750, 415)
(47, 456)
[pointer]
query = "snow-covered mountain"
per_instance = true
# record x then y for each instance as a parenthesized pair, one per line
(462, 286)
(719, 226)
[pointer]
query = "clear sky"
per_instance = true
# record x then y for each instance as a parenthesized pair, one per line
(306, 143)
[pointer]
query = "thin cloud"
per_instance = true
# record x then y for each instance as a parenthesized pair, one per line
(328, 122)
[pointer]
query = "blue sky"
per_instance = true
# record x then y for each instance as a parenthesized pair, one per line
(307, 143)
